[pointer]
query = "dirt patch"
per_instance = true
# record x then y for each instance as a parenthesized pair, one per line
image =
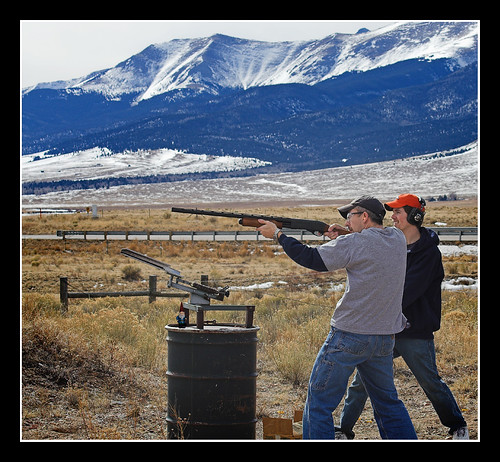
(79, 394)
(71, 394)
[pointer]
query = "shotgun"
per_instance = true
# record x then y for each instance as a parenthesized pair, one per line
(315, 227)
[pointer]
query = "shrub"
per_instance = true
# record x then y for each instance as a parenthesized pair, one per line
(131, 273)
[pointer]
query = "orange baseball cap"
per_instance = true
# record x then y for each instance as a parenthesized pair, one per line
(406, 199)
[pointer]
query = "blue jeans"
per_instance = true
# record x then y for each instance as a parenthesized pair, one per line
(341, 353)
(420, 357)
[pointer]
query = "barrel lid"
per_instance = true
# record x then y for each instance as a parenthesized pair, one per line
(219, 328)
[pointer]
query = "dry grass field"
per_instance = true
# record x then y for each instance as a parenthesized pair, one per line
(454, 213)
(97, 371)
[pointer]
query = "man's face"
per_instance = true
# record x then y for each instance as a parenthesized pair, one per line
(355, 221)
(400, 218)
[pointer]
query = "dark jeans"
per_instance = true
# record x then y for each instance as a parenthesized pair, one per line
(341, 353)
(420, 357)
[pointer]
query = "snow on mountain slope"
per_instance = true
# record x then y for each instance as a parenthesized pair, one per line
(212, 63)
(429, 175)
(405, 41)
(102, 163)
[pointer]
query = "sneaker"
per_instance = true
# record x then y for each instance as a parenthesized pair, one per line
(461, 433)
(340, 435)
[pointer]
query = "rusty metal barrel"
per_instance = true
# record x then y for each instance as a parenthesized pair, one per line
(212, 375)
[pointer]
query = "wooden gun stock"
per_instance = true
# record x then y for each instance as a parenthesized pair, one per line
(255, 222)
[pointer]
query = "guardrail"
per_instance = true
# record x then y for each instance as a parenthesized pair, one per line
(164, 235)
(459, 234)
(465, 234)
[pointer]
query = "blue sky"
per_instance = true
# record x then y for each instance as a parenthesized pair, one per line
(61, 50)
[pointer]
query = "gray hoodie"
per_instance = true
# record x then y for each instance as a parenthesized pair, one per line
(375, 261)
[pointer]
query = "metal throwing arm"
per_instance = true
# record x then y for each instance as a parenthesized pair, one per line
(200, 295)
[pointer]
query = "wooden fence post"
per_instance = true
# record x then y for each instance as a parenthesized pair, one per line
(152, 289)
(63, 293)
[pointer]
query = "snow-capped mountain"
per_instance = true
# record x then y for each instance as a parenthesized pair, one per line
(221, 62)
(400, 91)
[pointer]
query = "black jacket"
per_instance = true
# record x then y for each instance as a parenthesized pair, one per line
(422, 290)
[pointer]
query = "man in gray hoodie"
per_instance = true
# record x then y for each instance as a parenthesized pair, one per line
(422, 307)
(364, 322)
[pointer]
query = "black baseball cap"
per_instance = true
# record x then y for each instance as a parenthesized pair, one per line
(368, 202)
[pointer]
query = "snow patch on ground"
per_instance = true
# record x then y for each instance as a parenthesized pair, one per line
(98, 163)
(428, 175)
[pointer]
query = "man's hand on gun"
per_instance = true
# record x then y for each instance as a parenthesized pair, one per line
(335, 231)
(267, 229)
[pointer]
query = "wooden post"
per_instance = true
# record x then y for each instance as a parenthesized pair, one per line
(63, 293)
(152, 289)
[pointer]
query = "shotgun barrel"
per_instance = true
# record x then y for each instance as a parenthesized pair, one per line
(313, 226)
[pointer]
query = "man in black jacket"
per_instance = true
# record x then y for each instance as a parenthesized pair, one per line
(422, 308)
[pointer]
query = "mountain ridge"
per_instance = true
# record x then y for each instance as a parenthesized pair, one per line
(182, 63)
(216, 102)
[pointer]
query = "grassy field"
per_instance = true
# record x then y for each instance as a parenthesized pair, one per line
(454, 213)
(98, 370)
